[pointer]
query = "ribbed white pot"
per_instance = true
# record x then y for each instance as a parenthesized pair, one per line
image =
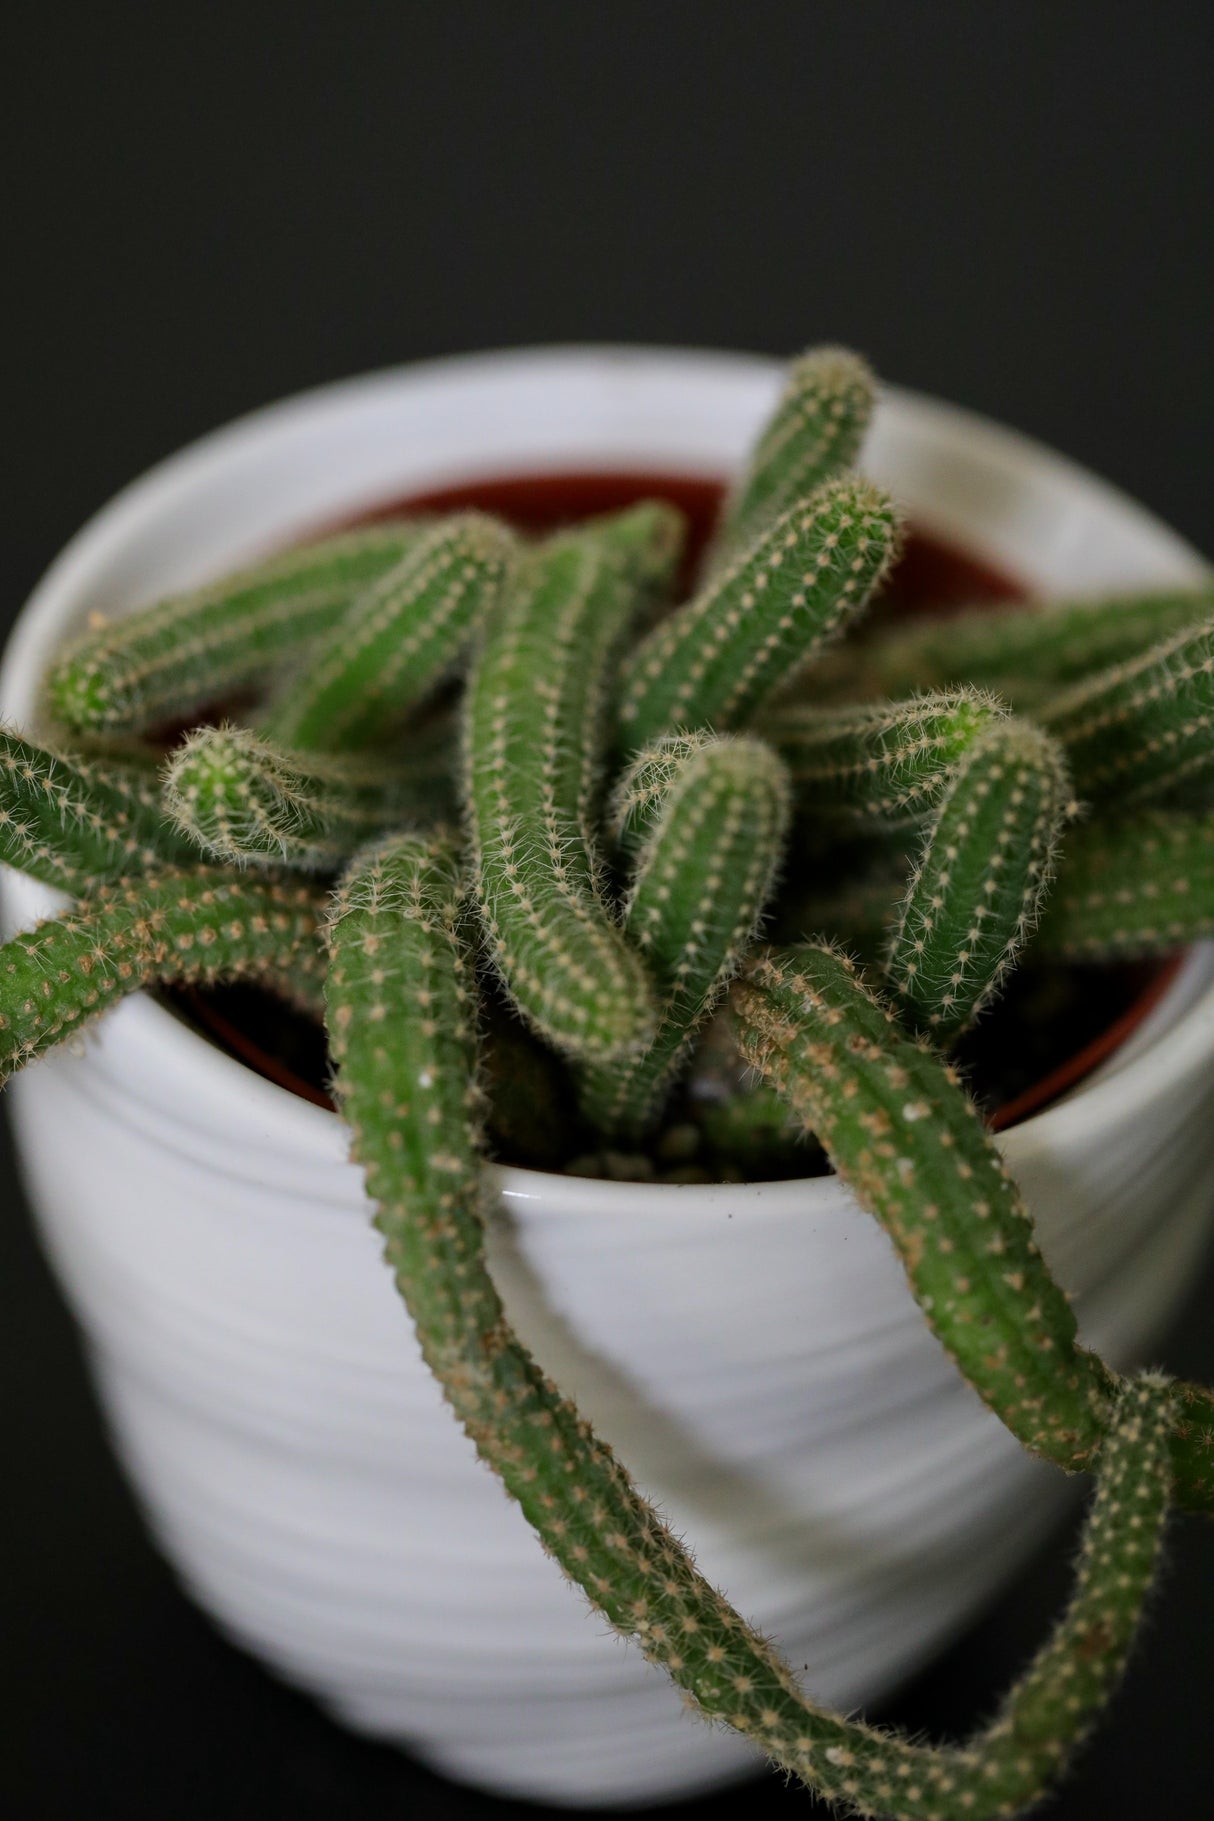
(752, 1352)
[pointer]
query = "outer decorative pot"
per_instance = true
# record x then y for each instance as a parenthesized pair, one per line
(752, 1352)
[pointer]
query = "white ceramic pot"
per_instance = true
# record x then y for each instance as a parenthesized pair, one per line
(751, 1352)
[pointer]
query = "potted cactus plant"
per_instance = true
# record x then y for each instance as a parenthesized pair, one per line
(487, 774)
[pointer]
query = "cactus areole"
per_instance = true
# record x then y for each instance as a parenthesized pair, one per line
(597, 814)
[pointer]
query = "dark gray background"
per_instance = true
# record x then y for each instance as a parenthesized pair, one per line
(209, 207)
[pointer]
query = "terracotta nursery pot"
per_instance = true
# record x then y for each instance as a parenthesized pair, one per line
(752, 1352)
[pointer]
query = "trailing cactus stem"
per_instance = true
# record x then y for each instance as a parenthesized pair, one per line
(815, 431)
(240, 799)
(707, 862)
(413, 1110)
(73, 821)
(195, 650)
(1024, 653)
(1139, 730)
(400, 639)
(198, 925)
(532, 748)
(714, 661)
(879, 767)
(908, 1142)
(1138, 886)
(977, 890)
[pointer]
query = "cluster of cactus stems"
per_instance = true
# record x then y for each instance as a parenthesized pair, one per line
(483, 772)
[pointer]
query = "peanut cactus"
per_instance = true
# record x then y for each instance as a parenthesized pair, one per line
(816, 431)
(1022, 654)
(556, 918)
(715, 661)
(195, 650)
(708, 843)
(240, 798)
(402, 638)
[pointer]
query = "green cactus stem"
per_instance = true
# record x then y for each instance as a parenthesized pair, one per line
(195, 650)
(815, 432)
(1025, 654)
(73, 821)
(534, 711)
(646, 540)
(882, 766)
(413, 1107)
(197, 925)
(714, 661)
(976, 893)
(241, 799)
(1138, 886)
(906, 1139)
(401, 639)
(709, 848)
(1141, 729)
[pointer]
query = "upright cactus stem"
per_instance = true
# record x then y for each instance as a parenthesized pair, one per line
(707, 851)
(401, 638)
(195, 650)
(240, 799)
(179, 924)
(532, 749)
(977, 891)
(716, 660)
(1141, 729)
(815, 432)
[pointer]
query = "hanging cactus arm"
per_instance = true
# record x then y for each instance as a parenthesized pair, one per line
(883, 766)
(1139, 885)
(1141, 729)
(239, 798)
(413, 1111)
(815, 432)
(194, 650)
(977, 891)
(908, 1142)
(705, 871)
(1025, 654)
(177, 925)
(73, 821)
(398, 642)
(715, 661)
(532, 739)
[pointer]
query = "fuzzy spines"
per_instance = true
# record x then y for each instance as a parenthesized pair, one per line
(815, 431)
(708, 821)
(1139, 730)
(714, 661)
(905, 1138)
(883, 765)
(199, 925)
(532, 750)
(986, 864)
(401, 638)
(241, 799)
(72, 821)
(193, 650)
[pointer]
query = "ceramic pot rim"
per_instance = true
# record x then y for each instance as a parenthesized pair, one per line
(1181, 1032)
